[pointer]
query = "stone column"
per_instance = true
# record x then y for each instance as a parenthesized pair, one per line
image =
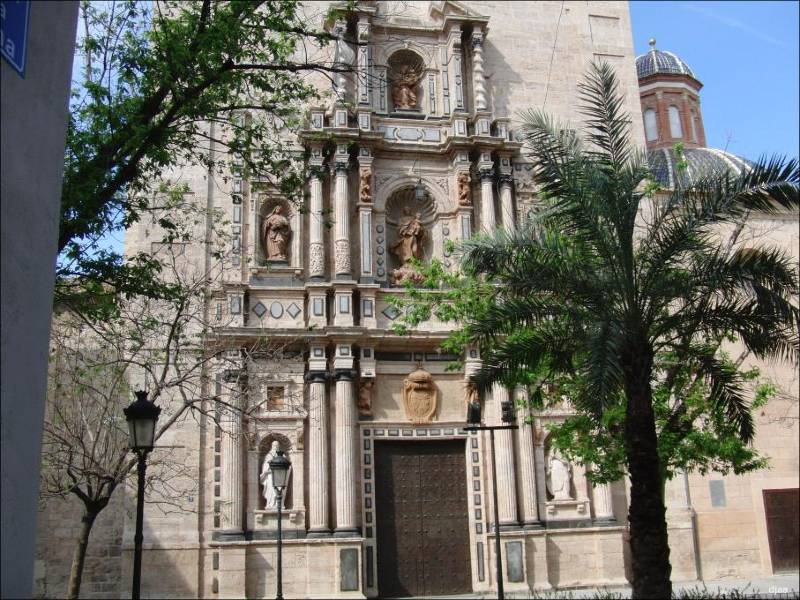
(488, 220)
(527, 469)
(341, 229)
(506, 203)
(601, 500)
(478, 79)
(232, 459)
(506, 478)
(316, 250)
(346, 419)
(317, 445)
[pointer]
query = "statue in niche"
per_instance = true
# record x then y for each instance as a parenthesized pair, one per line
(344, 57)
(365, 397)
(471, 394)
(365, 184)
(275, 232)
(559, 476)
(464, 189)
(410, 236)
(270, 495)
(404, 87)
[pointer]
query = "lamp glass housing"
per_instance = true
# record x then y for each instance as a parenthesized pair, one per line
(280, 470)
(141, 416)
(474, 413)
(419, 191)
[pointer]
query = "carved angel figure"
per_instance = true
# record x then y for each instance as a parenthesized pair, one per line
(365, 185)
(410, 235)
(365, 397)
(464, 189)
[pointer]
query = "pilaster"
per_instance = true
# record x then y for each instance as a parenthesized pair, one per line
(232, 457)
(318, 501)
(341, 229)
(346, 418)
(506, 185)
(527, 469)
(366, 178)
(316, 249)
(506, 478)
(486, 174)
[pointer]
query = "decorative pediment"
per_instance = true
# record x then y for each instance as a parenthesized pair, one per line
(449, 8)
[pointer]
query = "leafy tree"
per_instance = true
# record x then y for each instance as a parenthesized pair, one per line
(623, 299)
(163, 82)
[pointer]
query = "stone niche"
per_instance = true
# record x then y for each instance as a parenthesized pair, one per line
(410, 225)
(566, 496)
(277, 234)
(406, 71)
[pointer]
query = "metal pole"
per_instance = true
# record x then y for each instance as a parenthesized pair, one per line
(279, 596)
(500, 593)
(137, 539)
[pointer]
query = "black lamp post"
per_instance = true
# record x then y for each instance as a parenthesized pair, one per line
(279, 467)
(474, 424)
(141, 416)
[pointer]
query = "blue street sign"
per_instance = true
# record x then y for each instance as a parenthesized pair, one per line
(14, 18)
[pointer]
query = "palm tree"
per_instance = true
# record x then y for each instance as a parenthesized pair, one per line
(606, 277)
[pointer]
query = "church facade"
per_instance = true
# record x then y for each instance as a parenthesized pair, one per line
(388, 495)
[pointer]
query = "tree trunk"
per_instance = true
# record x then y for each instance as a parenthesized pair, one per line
(79, 556)
(648, 526)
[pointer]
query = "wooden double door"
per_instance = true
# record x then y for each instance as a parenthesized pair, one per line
(422, 522)
(782, 510)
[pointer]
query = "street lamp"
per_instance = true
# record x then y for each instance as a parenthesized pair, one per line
(279, 466)
(141, 416)
(474, 424)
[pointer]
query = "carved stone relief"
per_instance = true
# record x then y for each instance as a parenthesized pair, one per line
(365, 397)
(419, 396)
(464, 189)
(365, 184)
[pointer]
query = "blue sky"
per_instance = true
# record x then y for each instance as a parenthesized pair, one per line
(746, 56)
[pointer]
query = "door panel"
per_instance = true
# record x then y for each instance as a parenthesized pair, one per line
(422, 523)
(782, 511)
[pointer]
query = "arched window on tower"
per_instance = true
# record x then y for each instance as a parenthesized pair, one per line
(675, 122)
(650, 125)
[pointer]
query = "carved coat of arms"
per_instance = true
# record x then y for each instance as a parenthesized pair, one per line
(419, 396)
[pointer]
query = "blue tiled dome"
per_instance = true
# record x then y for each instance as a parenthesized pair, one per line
(661, 61)
(701, 162)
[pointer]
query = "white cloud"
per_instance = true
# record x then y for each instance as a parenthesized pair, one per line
(731, 22)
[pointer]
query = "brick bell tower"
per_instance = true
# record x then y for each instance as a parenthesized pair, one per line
(670, 96)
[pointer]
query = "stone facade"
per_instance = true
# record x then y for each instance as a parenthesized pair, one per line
(420, 149)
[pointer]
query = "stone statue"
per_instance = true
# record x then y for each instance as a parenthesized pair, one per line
(365, 184)
(404, 87)
(471, 393)
(559, 475)
(410, 235)
(464, 189)
(365, 397)
(275, 232)
(419, 396)
(343, 58)
(270, 495)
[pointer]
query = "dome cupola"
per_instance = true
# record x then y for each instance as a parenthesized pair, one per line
(670, 96)
(661, 62)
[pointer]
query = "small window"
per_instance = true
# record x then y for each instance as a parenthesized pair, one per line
(675, 122)
(650, 125)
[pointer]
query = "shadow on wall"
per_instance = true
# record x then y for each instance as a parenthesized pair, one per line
(108, 569)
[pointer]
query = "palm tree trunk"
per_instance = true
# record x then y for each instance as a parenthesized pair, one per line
(79, 555)
(648, 526)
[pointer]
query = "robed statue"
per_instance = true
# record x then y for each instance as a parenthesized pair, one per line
(270, 494)
(404, 87)
(559, 476)
(275, 232)
(410, 236)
